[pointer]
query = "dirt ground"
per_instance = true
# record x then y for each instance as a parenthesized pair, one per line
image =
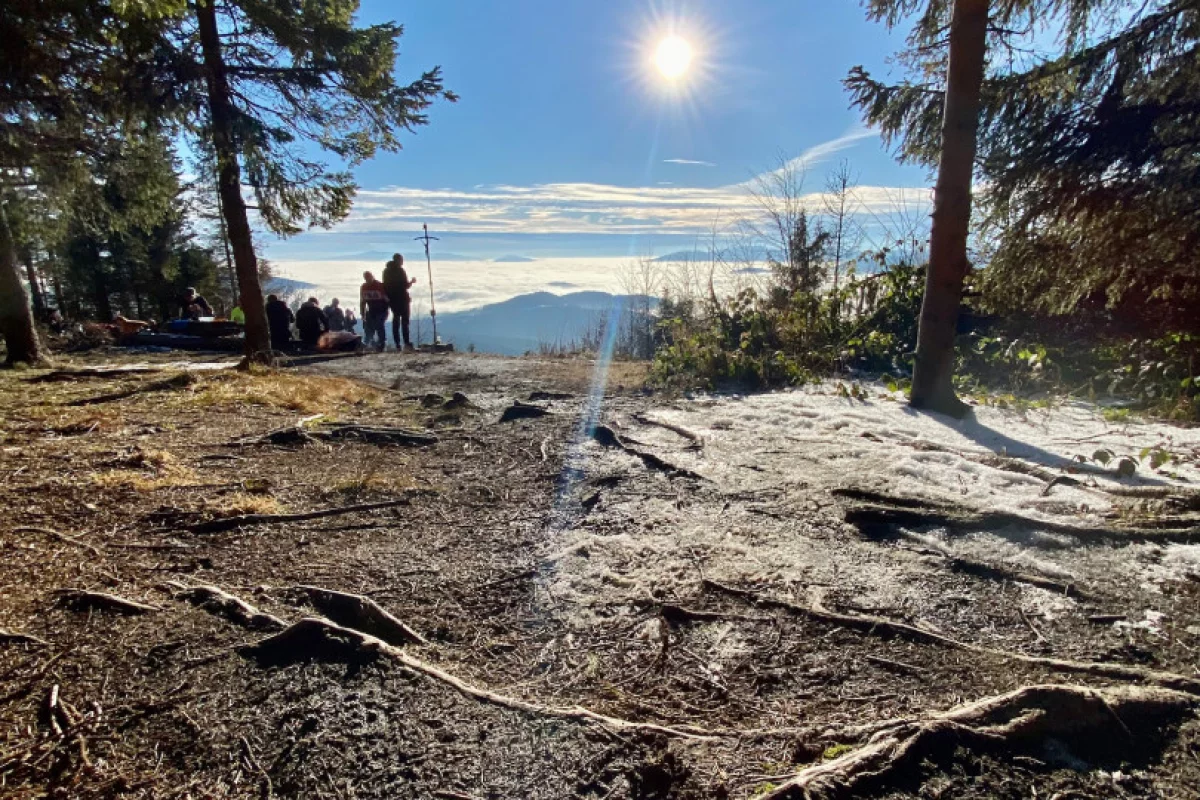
(655, 608)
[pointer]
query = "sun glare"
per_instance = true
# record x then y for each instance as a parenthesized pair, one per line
(673, 57)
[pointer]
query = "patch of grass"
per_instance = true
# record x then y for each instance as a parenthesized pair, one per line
(368, 480)
(292, 391)
(147, 471)
(836, 751)
(236, 504)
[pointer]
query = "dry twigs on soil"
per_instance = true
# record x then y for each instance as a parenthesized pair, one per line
(879, 626)
(179, 381)
(1086, 720)
(16, 637)
(294, 435)
(607, 437)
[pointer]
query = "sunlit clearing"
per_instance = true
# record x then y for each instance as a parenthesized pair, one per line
(673, 57)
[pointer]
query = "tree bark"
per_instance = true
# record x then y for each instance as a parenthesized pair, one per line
(934, 368)
(229, 184)
(35, 290)
(16, 318)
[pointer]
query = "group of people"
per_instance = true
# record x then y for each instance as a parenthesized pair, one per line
(312, 322)
(376, 300)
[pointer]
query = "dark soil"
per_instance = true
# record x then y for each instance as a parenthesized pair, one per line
(159, 705)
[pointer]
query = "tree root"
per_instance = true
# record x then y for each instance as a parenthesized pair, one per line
(244, 520)
(179, 381)
(875, 513)
(879, 626)
(63, 375)
(296, 435)
(519, 410)
(361, 614)
(219, 602)
(16, 637)
(320, 639)
(607, 437)
(696, 440)
(62, 537)
(83, 600)
(1095, 722)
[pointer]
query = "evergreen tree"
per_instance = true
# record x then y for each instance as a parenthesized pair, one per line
(268, 78)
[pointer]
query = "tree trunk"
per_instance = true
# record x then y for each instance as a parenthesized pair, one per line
(16, 318)
(229, 184)
(934, 368)
(35, 289)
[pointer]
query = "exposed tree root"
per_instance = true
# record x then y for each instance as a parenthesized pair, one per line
(1092, 722)
(64, 375)
(16, 637)
(607, 437)
(296, 435)
(993, 572)
(519, 410)
(179, 381)
(62, 537)
(219, 602)
(244, 520)
(361, 614)
(83, 600)
(874, 513)
(696, 440)
(319, 639)
(879, 626)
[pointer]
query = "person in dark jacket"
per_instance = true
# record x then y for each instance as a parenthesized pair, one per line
(397, 283)
(279, 322)
(373, 303)
(194, 306)
(311, 322)
(336, 316)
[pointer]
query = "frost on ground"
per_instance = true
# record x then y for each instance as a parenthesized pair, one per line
(766, 515)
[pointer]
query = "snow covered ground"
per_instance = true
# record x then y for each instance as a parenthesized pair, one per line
(768, 517)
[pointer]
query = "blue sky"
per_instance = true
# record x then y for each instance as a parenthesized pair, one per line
(567, 142)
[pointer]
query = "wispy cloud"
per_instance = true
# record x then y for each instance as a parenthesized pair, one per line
(597, 208)
(688, 162)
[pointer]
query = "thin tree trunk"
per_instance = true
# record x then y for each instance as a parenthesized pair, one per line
(934, 368)
(16, 318)
(229, 184)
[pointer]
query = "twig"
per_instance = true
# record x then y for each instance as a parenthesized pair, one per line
(62, 537)
(230, 523)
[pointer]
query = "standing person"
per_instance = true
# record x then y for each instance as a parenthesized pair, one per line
(194, 306)
(373, 303)
(397, 283)
(279, 322)
(311, 322)
(336, 316)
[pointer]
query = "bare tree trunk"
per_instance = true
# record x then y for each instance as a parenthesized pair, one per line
(229, 184)
(934, 368)
(16, 318)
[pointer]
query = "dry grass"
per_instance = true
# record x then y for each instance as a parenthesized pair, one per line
(238, 503)
(292, 391)
(147, 471)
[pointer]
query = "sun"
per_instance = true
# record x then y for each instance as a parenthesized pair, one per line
(673, 56)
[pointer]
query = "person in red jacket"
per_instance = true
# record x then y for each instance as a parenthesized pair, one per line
(373, 303)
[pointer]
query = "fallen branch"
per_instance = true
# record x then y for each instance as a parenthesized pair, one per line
(1098, 723)
(879, 626)
(321, 639)
(607, 437)
(875, 513)
(62, 375)
(84, 600)
(244, 520)
(361, 614)
(219, 602)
